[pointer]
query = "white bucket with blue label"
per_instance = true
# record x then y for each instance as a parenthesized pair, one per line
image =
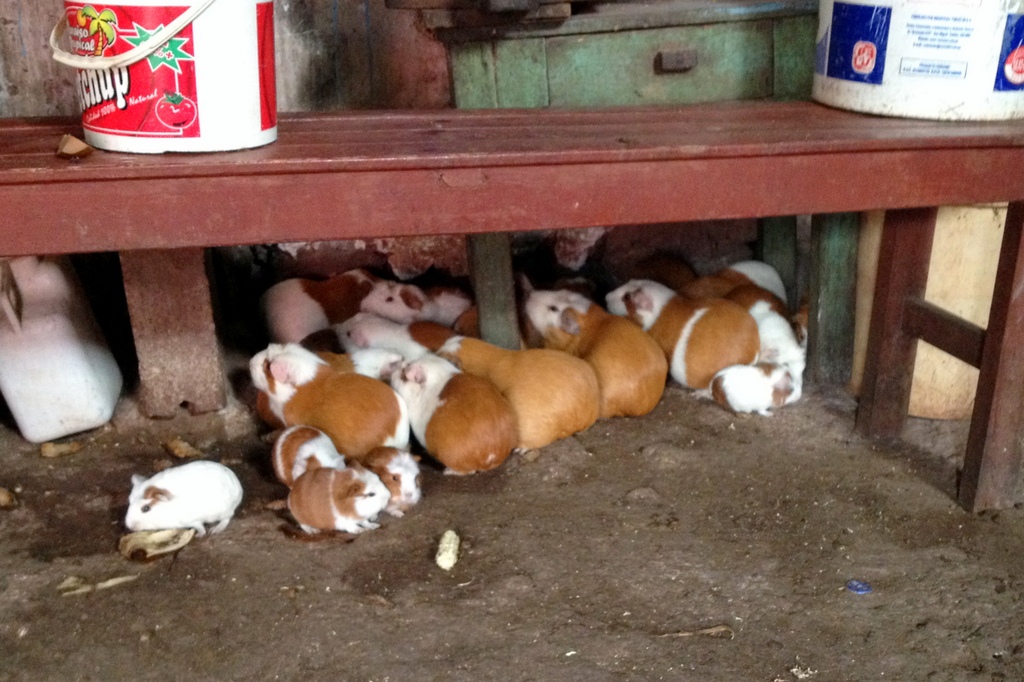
(953, 60)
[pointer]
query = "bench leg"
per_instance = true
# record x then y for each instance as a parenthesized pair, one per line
(777, 246)
(172, 321)
(490, 266)
(889, 362)
(992, 465)
(832, 293)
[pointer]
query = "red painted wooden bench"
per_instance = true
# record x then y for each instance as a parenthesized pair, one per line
(370, 174)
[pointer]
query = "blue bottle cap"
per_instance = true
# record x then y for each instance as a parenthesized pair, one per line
(858, 586)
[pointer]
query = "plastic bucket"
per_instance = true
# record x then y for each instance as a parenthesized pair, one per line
(956, 60)
(193, 77)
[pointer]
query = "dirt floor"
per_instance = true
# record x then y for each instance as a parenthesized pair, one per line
(690, 544)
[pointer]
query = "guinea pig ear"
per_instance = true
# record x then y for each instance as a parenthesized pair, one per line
(413, 298)
(282, 371)
(569, 321)
(414, 373)
(641, 300)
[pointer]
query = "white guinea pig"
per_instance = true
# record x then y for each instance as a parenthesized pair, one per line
(186, 496)
(751, 388)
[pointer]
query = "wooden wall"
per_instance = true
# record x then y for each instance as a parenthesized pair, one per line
(331, 54)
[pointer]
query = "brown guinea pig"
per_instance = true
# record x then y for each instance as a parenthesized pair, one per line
(301, 448)
(552, 393)
(631, 367)
(699, 337)
(357, 413)
(719, 284)
(460, 419)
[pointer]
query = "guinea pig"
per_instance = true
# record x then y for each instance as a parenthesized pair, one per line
(400, 472)
(462, 420)
(376, 363)
(699, 337)
(295, 308)
(412, 340)
(751, 388)
(406, 303)
(357, 412)
(301, 448)
(720, 283)
(630, 366)
(779, 345)
(553, 394)
(187, 496)
(347, 500)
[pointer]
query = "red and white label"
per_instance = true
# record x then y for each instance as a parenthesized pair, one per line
(1013, 68)
(864, 55)
(155, 97)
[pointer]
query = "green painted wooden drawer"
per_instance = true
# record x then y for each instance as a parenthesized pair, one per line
(733, 61)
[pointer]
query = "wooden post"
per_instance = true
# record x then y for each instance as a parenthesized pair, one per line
(490, 260)
(832, 293)
(892, 348)
(992, 465)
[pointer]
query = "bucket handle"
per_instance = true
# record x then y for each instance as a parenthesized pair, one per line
(133, 55)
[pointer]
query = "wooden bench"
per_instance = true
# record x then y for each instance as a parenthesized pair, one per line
(374, 174)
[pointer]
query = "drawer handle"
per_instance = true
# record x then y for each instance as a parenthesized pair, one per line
(679, 60)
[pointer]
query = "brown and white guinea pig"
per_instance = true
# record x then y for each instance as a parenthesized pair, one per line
(408, 303)
(462, 420)
(400, 472)
(751, 388)
(301, 448)
(357, 413)
(412, 339)
(338, 361)
(376, 363)
(699, 337)
(347, 500)
(801, 322)
(631, 367)
(779, 344)
(552, 393)
(295, 308)
(720, 283)
(187, 496)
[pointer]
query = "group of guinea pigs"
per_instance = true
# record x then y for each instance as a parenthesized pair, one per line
(412, 364)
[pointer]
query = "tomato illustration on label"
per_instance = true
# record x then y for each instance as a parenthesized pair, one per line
(176, 111)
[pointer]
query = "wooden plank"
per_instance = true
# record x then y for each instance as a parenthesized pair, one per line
(521, 74)
(889, 363)
(992, 467)
(944, 330)
(831, 295)
(777, 246)
(163, 212)
(473, 78)
(794, 40)
(607, 17)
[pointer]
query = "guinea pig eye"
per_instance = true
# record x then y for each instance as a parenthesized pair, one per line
(146, 508)
(553, 309)
(371, 494)
(390, 299)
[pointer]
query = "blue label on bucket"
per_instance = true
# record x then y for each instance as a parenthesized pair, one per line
(857, 42)
(1010, 72)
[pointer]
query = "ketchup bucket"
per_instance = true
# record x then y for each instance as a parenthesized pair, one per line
(193, 77)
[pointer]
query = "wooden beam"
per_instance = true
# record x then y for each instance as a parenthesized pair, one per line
(832, 292)
(944, 330)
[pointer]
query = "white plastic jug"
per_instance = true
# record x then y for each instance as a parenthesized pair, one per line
(57, 374)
